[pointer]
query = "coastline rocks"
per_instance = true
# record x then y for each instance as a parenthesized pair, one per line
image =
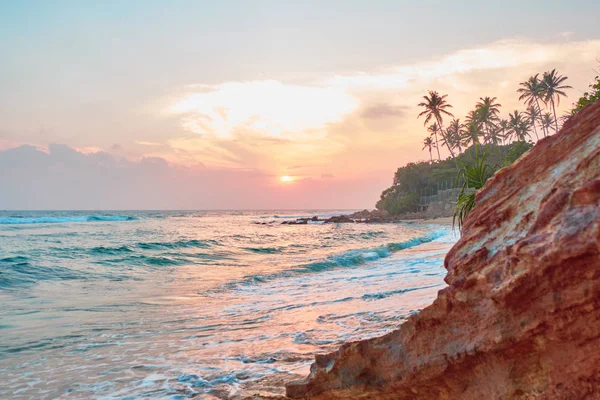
(339, 219)
(520, 318)
(365, 216)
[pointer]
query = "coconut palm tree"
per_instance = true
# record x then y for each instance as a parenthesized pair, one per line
(454, 132)
(534, 116)
(450, 140)
(471, 133)
(429, 144)
(546, 120)
(488, 112)
(472, 116)
(474, 120)
(553, 88)
(531, 92)
(519, 125)
(433, 130)
(503, 130)
(435, 108)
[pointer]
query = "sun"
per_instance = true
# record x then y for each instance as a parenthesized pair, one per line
(286, 179)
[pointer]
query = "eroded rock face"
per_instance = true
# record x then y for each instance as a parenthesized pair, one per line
(520, 318)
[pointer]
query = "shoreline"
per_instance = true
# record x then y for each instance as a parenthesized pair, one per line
(364, 217)
(445, 221)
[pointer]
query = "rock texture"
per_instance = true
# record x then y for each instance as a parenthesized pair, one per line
(520, 318)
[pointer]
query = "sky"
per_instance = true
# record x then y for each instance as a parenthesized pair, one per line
(206, 105)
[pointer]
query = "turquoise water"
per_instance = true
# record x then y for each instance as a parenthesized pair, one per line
(132, 305)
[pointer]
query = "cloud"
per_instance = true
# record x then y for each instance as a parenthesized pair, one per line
(224, 145)
(497, 55)
(69, 179)
(356, 123)
(145, 143)
(267, 108)
(383, 110)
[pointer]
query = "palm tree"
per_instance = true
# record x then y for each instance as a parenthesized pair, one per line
(435, 107)
(473, 118)
(450, 140)
(488, 112)
(433, 130)
(534, 116)
(519, 125)
(428, 144)
(531, 92)
(471, 133)
(546, 120)
(503, 130)
(454, 132)
(553, 89)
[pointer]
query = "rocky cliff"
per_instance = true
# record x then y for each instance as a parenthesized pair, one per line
(520, 318)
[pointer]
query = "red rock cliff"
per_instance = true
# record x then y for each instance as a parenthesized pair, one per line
(521, 316)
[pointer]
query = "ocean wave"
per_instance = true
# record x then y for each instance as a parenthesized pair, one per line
(57, 220)
(140, 260)
(110, 250)
(349, 259)
(264, 250)
(178, 244)
(354, 258)
(19, 271)
(388, 293)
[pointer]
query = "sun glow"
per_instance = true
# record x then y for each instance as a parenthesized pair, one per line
(286, 179)
(269, 108)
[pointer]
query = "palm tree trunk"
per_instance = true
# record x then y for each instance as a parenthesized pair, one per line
(535, 131)
(537, 101)
(447, 143)
(430, 156)
(555, 119)
(437, 146)
(492, 137)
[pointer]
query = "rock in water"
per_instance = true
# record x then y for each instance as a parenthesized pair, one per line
(339, 219)
(520, 318)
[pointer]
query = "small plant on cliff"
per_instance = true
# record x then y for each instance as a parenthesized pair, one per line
(589, 97)
(473, 178)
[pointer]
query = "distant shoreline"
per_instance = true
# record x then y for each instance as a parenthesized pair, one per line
(446, 221)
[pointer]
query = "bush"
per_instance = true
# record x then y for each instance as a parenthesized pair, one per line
(473, 177)
(516, 151)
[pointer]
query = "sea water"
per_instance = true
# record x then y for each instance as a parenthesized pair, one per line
(136, 305)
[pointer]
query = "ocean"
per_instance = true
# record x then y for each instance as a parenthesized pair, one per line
(197, 304)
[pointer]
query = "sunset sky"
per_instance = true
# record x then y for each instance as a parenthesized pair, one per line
(207, 105)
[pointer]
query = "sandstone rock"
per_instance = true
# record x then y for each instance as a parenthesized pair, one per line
(520, 318)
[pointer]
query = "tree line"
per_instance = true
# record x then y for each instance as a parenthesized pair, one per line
(483, 125)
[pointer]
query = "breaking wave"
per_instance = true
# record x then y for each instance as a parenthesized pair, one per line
(352, 258)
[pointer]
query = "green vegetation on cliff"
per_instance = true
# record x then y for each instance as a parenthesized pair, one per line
(424, 178)
(505, 140)
(589, 97)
